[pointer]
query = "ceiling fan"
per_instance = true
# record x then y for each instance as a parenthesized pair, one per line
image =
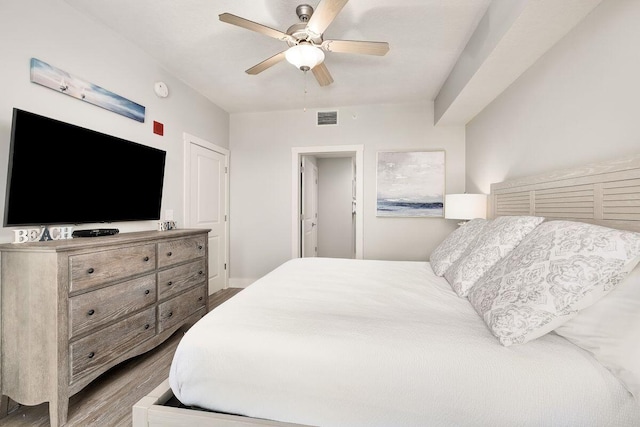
(306, 45)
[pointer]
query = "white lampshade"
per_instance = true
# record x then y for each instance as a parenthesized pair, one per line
(304, 56)
(465, 206)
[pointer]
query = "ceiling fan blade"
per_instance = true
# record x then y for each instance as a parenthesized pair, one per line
(269, 62)
(322, 74)
(324, 15)
(254, 26)
(352, 46)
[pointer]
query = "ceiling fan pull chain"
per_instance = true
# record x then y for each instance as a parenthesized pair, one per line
(304, 99)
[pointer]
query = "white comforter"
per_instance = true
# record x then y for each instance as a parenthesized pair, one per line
(332, 342)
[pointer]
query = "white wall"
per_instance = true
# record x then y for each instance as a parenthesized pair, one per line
(335, 221)
(261, 145)
(578, 104)
(50, 30)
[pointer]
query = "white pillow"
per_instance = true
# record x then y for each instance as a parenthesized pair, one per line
(560, 268)
(454, 245)
(494, 242)
(610, 330)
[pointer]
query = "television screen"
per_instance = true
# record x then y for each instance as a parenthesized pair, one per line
(63, 174)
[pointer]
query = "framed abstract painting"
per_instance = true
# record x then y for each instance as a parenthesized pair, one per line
(410, 183)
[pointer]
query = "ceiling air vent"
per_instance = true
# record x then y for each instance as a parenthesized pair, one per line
(327, 118)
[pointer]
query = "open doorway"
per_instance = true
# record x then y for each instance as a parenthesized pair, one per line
(336, 200)
(307, 231)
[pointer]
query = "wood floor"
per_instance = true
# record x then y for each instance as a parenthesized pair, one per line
(107, 401)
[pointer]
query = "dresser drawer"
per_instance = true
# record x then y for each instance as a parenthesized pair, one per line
(106, 345)
(177, 279)
(91, 269)
(175, 310)
(179, 250)
(97, 308)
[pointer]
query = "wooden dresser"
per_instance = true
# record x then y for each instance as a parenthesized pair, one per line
(72, 309)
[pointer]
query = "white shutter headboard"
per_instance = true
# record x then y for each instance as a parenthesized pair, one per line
(606, 193)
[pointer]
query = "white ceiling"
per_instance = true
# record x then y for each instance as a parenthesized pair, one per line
(459, 53)
(187, 38)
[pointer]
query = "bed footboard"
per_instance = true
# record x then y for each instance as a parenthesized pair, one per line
(151, 411)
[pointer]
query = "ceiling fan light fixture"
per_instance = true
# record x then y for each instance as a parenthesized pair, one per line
(304, 56)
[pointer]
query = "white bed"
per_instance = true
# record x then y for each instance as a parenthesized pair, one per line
(332, 342)
(329, 342)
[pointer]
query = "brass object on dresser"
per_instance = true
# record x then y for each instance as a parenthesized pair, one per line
(72, 309)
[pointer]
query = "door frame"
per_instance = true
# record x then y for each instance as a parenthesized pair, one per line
(334, 151)
(189, 139)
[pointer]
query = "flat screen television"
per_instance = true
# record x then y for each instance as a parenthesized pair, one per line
(64, 174)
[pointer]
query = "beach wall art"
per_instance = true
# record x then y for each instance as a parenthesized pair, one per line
(63, 82)
(410, 183)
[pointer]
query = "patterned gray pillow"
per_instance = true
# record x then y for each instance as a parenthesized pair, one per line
(454, 245)
(493, 243)
(557, 270)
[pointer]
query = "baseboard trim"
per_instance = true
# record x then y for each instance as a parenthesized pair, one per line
(240, 282)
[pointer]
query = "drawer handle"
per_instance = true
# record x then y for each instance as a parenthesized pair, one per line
(170, 314)
(199, 247)
(170, 283)
(91, 355)
(90, 271)
(200, 272)
(146, 292)
(169, 253)
(146, 259)
(200, 299)
(91, 312)
(147, 326)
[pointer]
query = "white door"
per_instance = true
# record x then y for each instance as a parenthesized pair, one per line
(207, 206)
(309, 208)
